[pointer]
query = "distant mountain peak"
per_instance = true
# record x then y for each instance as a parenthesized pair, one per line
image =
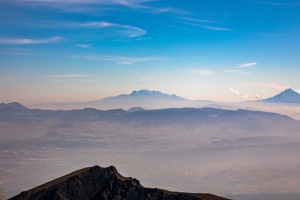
(287, 96)
(147, 94)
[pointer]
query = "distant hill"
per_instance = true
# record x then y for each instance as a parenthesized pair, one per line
(103, 183)
(135, 109)
(288, 96)
(13, 105)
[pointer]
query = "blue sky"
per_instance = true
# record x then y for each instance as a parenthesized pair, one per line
(75, 50)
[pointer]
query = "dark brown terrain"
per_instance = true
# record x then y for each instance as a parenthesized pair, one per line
(105, 184)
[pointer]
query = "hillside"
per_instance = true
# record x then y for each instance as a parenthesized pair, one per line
(13, 105)
(103, 183)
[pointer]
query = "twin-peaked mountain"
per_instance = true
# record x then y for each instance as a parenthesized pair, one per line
(142, 98)
(145, 95)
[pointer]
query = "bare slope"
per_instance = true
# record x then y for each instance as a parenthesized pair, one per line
(105, 184)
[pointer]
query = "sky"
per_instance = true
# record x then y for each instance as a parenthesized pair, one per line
(83, 50)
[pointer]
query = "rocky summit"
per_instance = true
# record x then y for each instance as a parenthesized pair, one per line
(97, 183)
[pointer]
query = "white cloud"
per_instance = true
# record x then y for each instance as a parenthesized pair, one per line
(298, 90)
(16, 41)
(247, 64)
(120, 59)
(256, 96)
(69, 76)
(85, 46)
(204, 71)
(235, 92)
(267, 85)
(244, 96)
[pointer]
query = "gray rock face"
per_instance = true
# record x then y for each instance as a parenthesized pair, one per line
(96, 183)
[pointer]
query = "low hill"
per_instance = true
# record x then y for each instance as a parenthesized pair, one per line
(105, 184)
(13, 105)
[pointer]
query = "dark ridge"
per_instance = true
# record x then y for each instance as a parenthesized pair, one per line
(95, 183)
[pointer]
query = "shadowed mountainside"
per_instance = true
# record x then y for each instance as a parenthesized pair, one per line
(105, 184)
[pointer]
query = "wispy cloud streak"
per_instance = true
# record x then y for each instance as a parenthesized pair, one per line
(112, 28)
(247, 64)
(214, 28)
(121, 59)
(16, 41)
(69, 76)
(89, 5)
(85, 46)
(196, 20)
(204, 71)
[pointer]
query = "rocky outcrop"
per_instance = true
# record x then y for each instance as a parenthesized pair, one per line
(96, 183)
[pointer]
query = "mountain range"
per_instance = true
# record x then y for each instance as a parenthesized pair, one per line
(157, 100)
(254, 121)
(104, 184)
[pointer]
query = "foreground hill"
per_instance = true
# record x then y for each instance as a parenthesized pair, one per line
(105, 184)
